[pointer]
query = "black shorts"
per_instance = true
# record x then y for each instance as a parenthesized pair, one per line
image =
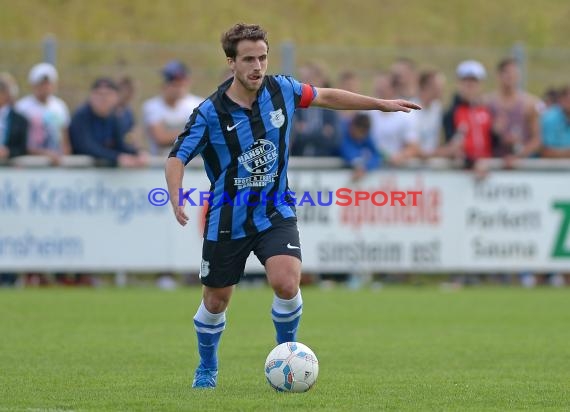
(223, 262)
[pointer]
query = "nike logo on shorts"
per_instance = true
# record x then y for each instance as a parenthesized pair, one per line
(230, 128)
(289, 246)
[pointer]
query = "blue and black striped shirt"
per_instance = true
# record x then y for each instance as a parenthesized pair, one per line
(245, 154)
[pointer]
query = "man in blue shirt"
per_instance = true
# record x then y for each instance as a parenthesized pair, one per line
(555, 124)
(357, 148)
(242, 132)
(95, 129)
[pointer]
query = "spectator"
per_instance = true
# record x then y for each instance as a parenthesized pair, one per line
(394, 134)
(555, 124)
(357, 148)
(13, 126)
(405, 79)
(95, 129)
(315, 129)
(467, 122)
(165, 116)
(428, 120)
(48, 115)
(515, 116)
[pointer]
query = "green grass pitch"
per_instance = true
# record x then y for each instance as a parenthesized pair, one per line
(392, 349)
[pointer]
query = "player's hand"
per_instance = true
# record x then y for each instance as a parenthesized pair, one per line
(399, 106)
(180, 215)
(178, 208)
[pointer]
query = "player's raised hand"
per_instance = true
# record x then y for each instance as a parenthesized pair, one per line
(399, 106)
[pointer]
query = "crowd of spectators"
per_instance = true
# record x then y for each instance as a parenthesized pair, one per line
(507, 123)
(104, 127)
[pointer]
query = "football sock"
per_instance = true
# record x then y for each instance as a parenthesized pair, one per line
(286, 315)
(209, 328)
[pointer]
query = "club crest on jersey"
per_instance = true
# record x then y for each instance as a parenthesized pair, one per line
(277, 118)
(260, 160)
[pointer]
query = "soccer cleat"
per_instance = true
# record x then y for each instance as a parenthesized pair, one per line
(205, 378)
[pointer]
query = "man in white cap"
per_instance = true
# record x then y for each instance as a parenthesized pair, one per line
(47, 114)
(467, 123)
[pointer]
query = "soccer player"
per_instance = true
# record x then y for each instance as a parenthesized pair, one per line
(242, 132)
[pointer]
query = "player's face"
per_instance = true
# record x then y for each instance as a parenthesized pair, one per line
(250, 64)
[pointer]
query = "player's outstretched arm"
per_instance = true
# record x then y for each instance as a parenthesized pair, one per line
(344, 100)
(174, 172)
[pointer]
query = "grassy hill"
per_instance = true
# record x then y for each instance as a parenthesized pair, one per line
(136, 37)
(359, 23)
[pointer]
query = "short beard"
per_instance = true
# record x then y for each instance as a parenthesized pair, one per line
(245, 85)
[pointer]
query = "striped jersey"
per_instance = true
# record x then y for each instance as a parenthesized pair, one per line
(245, 154)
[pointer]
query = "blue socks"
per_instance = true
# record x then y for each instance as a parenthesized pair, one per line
(209, 328)
(286, 315)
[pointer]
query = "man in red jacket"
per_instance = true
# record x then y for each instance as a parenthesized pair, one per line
(467, 123)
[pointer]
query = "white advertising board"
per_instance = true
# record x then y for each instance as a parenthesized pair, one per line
(101, 220)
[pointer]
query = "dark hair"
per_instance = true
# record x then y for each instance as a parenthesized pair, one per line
(507, 61)
(361, 121)
(564, 91)
(239, 32)
(106, 82)
(550, 94)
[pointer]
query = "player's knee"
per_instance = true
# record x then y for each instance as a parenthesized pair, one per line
(287, 284)
(287, 291)
(216, 302)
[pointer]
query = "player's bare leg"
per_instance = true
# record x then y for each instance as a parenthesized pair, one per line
(216, 300)
(210, 322)
(284, 276)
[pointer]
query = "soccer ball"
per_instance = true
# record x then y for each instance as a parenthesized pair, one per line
(291, 367)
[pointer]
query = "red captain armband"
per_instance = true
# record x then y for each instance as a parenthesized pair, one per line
(307, 96)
